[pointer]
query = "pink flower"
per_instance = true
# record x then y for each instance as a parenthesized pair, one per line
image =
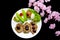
(42, 6)
(29, 4)
(49, 17)
(35, 4)
(48, 9)
(56, 15)
(42, 13)
(47, 0)
(45, 20)
(36, 8)
(42, 1)
(52, 26)
(57, 18)
(32, 1)
(39, 4)
(38, 1)
(57, 33)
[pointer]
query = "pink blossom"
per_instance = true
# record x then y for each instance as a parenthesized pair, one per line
(47, 0)
(42, 13)
(52, 26)
(38, 1)
(29, 4)
(56, 15)
(32, 1)
(42, 1)
(57, 33)
(45, 20)
(48, 9)
(35, 4)
(49, 17)
(53, 13)
(57, 18)
(42, 6)
(36, 8)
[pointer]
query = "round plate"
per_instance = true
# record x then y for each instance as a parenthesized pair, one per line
(25, 35)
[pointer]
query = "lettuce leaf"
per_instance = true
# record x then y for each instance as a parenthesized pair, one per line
(37, 16)
(20, 18)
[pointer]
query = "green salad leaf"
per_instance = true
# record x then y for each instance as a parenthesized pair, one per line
(16, 19)
(37, 16)
(24, 14)
(20, 18)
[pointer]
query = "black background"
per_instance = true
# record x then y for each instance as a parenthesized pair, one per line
(9, 7)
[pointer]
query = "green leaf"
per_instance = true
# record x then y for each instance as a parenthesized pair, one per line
(19, 17)
(16, 19)
(37, 16)
(24, 14)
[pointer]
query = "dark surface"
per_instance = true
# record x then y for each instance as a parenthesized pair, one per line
(11, 6)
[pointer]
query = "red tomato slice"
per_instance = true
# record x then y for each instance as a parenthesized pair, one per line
(21, 14)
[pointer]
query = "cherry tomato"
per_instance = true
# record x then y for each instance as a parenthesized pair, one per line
(21, 14)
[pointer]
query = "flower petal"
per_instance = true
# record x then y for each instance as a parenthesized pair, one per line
(57, 33)
(36, 8)
(45, 20)
(47, 0)
(32, 1)
(52, 26)
(29, 4)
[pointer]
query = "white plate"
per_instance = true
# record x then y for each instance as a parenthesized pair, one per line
(27, 35)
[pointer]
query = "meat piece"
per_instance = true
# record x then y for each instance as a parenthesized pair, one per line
(33, 27)
(28, 13)
(19, 28)
(26, 28)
